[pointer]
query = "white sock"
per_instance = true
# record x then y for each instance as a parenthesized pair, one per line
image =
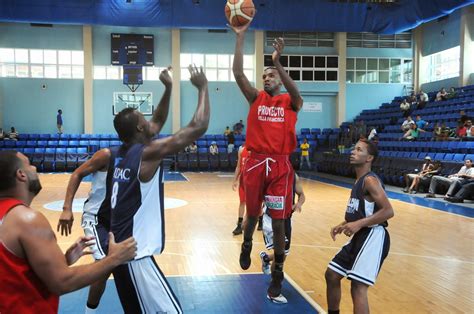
(90, 311)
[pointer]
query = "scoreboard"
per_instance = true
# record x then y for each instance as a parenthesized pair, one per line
(133, 49)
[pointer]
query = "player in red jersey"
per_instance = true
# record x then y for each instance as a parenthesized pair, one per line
(33, 270)
(271, 137)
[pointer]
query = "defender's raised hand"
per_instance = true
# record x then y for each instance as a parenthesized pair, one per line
(198, 78)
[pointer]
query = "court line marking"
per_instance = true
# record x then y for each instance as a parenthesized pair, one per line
(395, 199)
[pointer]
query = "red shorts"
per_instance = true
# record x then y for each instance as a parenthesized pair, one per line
(241, 189)
(269, 178)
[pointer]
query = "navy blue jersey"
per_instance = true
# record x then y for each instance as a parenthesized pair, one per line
(358, 207)
(137, 207)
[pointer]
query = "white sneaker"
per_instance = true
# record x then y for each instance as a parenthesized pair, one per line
(266, 267)
(278, 300)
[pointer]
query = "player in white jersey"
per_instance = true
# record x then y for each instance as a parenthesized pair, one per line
(137, 202)
(96, 212)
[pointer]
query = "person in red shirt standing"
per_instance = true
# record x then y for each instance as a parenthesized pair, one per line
(33, 270)
(271, 137)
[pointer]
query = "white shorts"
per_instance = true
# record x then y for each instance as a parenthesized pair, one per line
(267, 231)
(93, 228)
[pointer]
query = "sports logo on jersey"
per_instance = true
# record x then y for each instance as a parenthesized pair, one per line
(271, 114)
(275, 202)
(352, 205)
(117, 161)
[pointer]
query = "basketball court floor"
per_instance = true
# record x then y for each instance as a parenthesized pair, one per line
(430, 267)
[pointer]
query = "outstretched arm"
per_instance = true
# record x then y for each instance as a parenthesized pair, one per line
(296, 100)
(99, 161)
(159, 148)
(248, 90)
(161, 112)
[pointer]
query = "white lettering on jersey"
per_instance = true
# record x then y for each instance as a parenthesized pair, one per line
(271, 114)
(352, 205)
(122, 174)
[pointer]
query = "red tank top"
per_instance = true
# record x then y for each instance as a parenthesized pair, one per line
(21, 290)
(271, 125)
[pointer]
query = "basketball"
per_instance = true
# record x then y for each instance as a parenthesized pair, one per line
(239, 12)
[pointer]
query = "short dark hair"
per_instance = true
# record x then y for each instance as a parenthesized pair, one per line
(371, 148)
(125, 123)
(9, 164)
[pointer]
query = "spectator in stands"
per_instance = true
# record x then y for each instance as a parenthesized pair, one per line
(469, 129)
(230, 142)
(441, 132)
(405, 108)
(454, 181)
(441, 95)
(2, 134)
(463, 117)
(372, 134)
(461, 130)
(227, 131)
(466, 191)
(423, 100)
(423, 177)
(361, 130)
(305, 154)
(192, 148)
(213, 150)
(239, 128)
(420, 123)
(452, 93)
(59, 121)
(409, 177)
(413, 133)
(412, 100)
(13, 135)
(406, 125)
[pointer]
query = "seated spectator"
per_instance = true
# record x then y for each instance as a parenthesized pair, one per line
(227, 131)
(423, 100)
(372, 134)
(13, 135)
(213, 149)
(420, 123)
(469, 129)
(405, 108)
(466, 192)
(409, 177)
(192, 148)
(2, 134)
(461, 130)
(238, 128)
(441, 132)
(441, 95)
(463, 117)
(406, 125)
(452, 93)
(231, 142)
(413, 133)
(424, 177)
(412, 99)
(453, 181)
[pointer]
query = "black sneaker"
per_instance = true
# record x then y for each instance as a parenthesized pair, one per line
(274, 290)
(244, 259)
(430, 195)
(237, 230)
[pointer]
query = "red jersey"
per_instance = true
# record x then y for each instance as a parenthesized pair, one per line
(271, 125)
(21, 289)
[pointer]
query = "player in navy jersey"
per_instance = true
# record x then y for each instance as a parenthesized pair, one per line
(96, 215)
(365, 221)
(137, 202)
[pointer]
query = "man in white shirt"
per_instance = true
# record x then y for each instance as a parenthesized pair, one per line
(406, 125)
(454, 181)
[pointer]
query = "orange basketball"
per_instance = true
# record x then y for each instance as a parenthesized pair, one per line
(239, 12)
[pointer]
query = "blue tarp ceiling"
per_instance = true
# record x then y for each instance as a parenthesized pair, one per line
(276, 15)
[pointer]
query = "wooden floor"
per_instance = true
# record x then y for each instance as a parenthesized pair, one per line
(429, 269)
